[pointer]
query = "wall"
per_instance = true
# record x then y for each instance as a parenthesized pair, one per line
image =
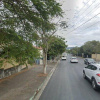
(96, 57)
(10, 71)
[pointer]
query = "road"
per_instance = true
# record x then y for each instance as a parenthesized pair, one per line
(67, 83)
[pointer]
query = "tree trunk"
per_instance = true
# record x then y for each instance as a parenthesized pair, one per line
(44, 61)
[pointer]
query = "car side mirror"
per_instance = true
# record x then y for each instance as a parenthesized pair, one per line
(85, 67)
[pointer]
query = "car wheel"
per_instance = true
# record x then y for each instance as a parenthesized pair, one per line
(84, 75)
(94, 84)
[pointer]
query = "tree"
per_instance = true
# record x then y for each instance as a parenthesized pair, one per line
(75, 51)
(97, 48)
(56, 47)
(17, 30)
(25, 18)
(19, 50)
(48, 28)
(90, 47)
(87, 49)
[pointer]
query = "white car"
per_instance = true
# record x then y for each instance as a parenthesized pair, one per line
(92, 72)
(74, 60)
(63, 57)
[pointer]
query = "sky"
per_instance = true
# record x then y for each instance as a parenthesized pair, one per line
(83, 20)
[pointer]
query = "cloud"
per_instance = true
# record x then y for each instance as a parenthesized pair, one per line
(80, 13)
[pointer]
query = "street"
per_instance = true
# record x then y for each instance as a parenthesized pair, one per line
(67, 83)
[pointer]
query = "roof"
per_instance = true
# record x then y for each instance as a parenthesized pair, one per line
(37, 47)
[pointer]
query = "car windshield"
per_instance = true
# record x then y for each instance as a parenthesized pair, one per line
(90, 59)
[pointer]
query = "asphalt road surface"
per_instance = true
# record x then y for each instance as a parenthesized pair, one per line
(67, 83)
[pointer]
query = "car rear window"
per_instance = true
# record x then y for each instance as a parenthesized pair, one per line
(73, 58)
(90, 59)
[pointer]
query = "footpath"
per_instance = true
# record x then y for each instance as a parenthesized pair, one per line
(22, 86)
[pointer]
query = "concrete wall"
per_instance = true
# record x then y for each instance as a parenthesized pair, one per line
(96, 57)
(10, 71)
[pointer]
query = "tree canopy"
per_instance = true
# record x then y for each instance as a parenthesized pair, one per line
(22, 23)
(57, 46)
(90, 47)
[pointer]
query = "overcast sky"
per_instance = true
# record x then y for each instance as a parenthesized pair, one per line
(77, 15)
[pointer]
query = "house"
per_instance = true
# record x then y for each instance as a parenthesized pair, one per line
(40, 60)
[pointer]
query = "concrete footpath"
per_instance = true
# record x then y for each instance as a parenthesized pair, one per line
(22, 86)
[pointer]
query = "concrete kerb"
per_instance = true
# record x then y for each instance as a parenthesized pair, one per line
(41, 88)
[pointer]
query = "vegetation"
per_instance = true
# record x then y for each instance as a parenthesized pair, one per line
(23, 23)
(56, 47)
(90, 47)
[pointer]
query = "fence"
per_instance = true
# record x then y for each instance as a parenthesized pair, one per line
(96, 57)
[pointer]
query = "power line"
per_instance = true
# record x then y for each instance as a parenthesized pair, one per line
(90, 26)
(89, 6)
(85, 22)
(90, 11)
(83, 6)
(86, 10)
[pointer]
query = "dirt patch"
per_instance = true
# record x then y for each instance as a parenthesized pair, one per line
(42, 75)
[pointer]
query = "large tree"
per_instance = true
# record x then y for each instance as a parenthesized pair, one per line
(90, 47)
(25, 19)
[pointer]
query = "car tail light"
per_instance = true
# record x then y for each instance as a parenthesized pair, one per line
(99, 82)
(98, 75)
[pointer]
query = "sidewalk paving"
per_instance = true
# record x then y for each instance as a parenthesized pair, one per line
(21, 86)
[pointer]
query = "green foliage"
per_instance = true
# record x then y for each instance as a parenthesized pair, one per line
(57, 46)
(21, 51)
(75, 51)
(90, 47)
(24, 22)
(1, 63)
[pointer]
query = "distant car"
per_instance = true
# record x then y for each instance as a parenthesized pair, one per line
(88, 61)
(74, 60)
(92, 72)
(63, 57)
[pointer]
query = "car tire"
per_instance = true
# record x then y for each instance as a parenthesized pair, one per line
(84, 75)
(94, 84)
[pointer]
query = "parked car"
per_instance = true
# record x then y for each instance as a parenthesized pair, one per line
(92, 72)
(74, 60)
(63, 57)
(88, 61)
